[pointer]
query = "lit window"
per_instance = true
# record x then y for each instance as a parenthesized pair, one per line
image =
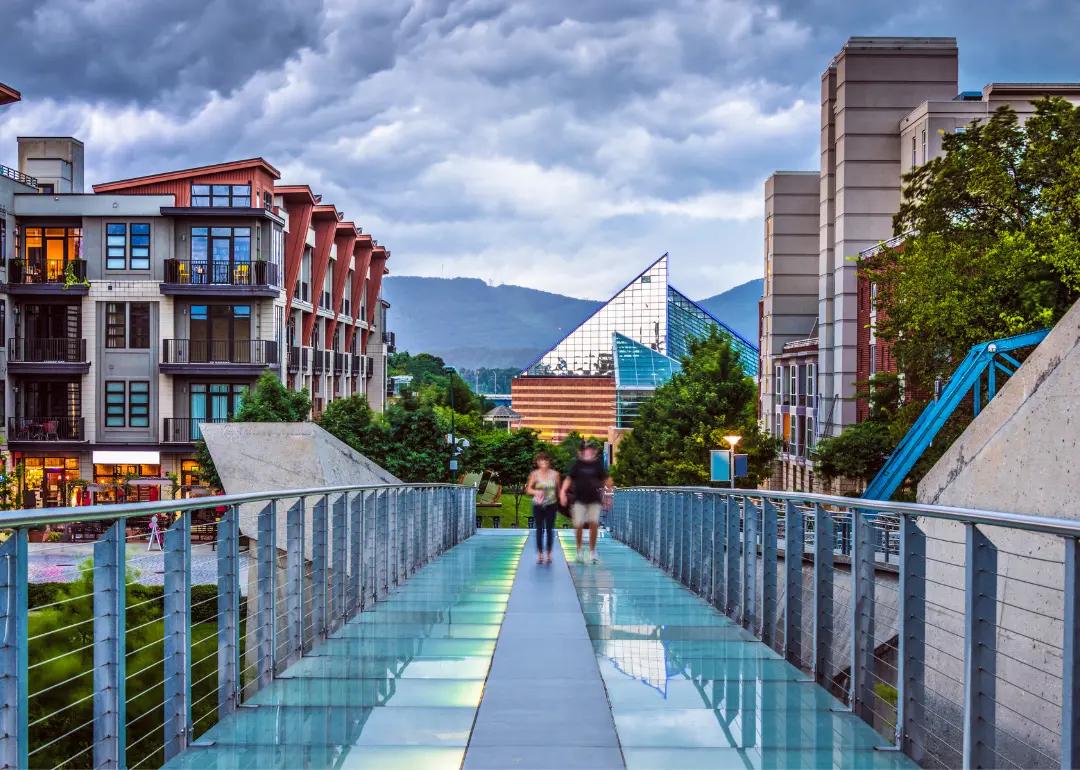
(114, 404)
(139, 404)
(115, 247)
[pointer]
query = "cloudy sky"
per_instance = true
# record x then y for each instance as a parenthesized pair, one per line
(558, 144)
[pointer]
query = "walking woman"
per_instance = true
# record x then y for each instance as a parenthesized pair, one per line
(543, 485)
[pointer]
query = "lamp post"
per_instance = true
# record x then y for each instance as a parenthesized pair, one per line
(453, 439)
(732, 441)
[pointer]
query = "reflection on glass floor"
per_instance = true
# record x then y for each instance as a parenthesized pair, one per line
(396, 687)
(691, 689)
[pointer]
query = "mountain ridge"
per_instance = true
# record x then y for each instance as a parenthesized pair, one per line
(473, 324)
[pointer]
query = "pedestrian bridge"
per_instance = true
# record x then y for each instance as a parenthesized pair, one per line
(375, 627)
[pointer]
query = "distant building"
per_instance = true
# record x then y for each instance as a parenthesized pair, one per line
(886, 103)
(133, 315)
(503, 417)
(595, 378)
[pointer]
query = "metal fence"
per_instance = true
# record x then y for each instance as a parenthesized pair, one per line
(125, 659)
(952, 631)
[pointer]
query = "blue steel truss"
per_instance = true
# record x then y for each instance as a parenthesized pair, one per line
(986, 358)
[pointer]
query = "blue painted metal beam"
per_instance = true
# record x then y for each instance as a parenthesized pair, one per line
(967, 377)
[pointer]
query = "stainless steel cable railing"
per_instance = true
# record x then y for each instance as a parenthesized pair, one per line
(149, 643)
(953, 632)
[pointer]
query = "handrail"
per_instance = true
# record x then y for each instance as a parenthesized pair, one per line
(957, 639)
(1046, 524)
(40, 517)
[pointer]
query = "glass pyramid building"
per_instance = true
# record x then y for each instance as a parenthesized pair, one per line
(638, 337)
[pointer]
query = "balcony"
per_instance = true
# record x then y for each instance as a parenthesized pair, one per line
(339, 363)
(47, 355)
(357, 365)
(185, 430)
(369, 370)
(320, 361)
(47, 276)
(235, 357)
(195, 278)
(390, 340)
(51, 430)
(294, 358)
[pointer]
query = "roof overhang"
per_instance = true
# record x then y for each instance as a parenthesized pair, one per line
(217, 168)
(8, 95)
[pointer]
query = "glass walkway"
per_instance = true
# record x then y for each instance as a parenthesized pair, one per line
(401, 684)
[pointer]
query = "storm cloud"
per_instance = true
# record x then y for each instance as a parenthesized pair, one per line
(559, 144)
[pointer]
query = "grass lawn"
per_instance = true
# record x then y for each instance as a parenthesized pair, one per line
(507, 517)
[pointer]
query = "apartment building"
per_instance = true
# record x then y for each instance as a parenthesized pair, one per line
(148, 307)
(886, 103)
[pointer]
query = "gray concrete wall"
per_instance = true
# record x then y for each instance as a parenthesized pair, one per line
(1018, 455)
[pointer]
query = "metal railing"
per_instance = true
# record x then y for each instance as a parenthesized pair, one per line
(185, 430)
(45, 429)
(357, 365)
(45, 270)
(954, 632)
(18, 176)
(256, 352)
(339, 363)
(62, 350)
(190, 272)
(111, 670)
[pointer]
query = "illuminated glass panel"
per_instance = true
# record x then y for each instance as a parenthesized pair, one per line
(637, 366)
(637, 312)
(687, 321)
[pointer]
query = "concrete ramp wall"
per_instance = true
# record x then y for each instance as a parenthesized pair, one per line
(1021, 455)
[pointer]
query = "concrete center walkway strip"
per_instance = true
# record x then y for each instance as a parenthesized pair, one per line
(544, 705)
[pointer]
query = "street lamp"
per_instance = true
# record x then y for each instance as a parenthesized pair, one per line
(453, 440)
(732, 440)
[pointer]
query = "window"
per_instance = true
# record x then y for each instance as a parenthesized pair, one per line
(778, 384)
(221, 255)
(47, 188)
(3, 328)
(3, 240)
(115, 247)
(115, 416)
(221, 195)
(924, 158)
(49, 250)
(809, 435)
(115, 325)
(873, 359)
(127, 404)
(127, 325)
(811, 382)
(139, 404)
(140, 246)
(794, 374)
(914, 160)
(123, 252)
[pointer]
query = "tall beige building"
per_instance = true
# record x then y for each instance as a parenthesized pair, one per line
(886, 104)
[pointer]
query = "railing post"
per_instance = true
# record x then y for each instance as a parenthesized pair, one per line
(381, 543)
(1070, 679)
(733, 552)
(14, 731)
(678, 540)
(356, 548)
(266, 554)
(911, 652)
(177, 622)
(294, 581)
(749, 576)
(824, 541)
(862, 616)
(228, 560)
(719, 530)
(697, 543)
(768, 572)
(318, 569)
(793, 582)
(980, 603)
(341, 542)
(110, 669)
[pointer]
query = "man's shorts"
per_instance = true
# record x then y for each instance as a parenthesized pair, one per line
(585, 513)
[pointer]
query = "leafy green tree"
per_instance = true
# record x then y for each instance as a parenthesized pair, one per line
(417, 448)
(687, 417)
(993, 244)
(353, 421)
(510, 455)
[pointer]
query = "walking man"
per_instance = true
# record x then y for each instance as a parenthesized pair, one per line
(583, 488)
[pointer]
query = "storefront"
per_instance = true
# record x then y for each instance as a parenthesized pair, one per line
(114, 470)
(48, 482)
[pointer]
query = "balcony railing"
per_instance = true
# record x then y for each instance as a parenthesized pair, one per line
(45, 429)
(62, 350)
(320, 361)
(369, 370)
(18, 176)
(184, 430)
(357, 365)
(293, 361)
(187, 351)
(339, 363)
(189, 272)
(37, 271)
(92, 627)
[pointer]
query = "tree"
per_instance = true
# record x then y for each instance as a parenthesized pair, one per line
(417, 448)
(687, 416)
(353, 421)
(993, 240)
(268, 401)
(510, 455)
